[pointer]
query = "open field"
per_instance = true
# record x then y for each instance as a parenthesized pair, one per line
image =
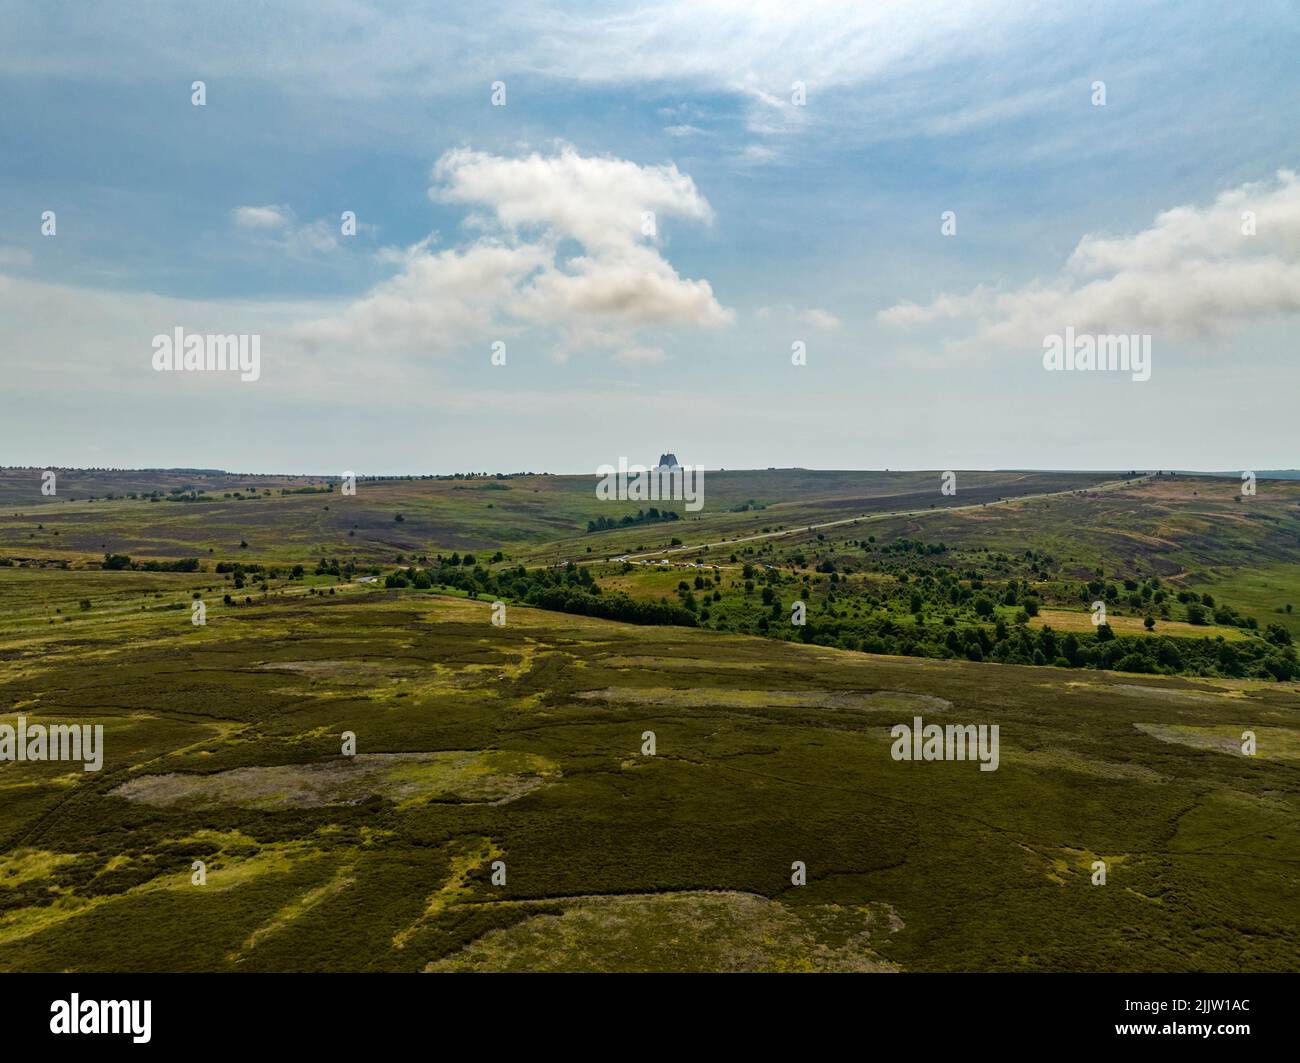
(1078, 620)
(1269, 590)
(766, 754)
(537, 518)
(500, 810)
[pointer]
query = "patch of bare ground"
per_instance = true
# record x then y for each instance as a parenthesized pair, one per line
(474, 776)
(684, 931)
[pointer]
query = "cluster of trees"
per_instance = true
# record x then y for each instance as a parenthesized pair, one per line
(331, 567)
(238, 567)
(120, 562)
(643, 516)
(1271, 658)
(938, 605)
(175, 496)
(570, 589)
(928, 578)
(913, 546)
(185, 564)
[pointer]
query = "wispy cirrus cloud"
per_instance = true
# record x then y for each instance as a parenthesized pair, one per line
(815, 316)
(277, 226)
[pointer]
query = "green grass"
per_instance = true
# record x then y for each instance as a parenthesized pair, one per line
(768, 751)
(980, 869)
(1263, 593)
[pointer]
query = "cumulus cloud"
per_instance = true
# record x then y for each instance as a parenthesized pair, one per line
(1195, 272)
(435, 302)
(529, 211)
(597, 200)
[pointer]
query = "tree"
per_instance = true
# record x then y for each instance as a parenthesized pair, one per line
(1278, 635)
(1070, 649)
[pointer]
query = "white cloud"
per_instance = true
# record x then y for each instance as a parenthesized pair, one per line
(276, 226)
(435, 303)
(508, 281)
(596, 200)
(345, 47)
(845, 51)
(758, 153)
(1193, 273)
(271, 217)
(819, 318)
(813, 315)
(515, 275)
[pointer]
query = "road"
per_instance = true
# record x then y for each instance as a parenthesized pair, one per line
(802, 529)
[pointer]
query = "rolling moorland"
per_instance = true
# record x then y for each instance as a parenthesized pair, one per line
(524, 743)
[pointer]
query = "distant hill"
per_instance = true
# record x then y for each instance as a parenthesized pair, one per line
(1262, 474)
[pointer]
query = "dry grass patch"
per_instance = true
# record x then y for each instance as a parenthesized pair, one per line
(488, 776)
(686, 931)
(1270, 742)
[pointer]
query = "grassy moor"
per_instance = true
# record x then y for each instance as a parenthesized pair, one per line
(647, 745)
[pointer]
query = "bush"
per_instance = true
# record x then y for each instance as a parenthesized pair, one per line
(1133, 662)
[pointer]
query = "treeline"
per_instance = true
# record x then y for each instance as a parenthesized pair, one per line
(643, 516)
(1272, 657)
(570, 589)
(120, 562)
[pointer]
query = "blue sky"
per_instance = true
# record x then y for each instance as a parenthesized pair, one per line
(775, 223)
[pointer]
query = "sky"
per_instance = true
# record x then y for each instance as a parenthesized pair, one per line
(826, 235)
